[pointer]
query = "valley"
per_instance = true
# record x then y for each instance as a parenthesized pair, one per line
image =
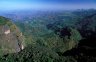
(49, 36)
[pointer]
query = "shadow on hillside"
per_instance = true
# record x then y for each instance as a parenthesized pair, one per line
(85, 51)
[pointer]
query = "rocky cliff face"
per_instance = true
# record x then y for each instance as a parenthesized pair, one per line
(11, 39)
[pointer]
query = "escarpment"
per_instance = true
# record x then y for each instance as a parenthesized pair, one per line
(11, 39)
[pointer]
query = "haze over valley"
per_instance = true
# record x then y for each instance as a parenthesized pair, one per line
(47, 31)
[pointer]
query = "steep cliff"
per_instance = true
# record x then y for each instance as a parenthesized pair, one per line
(11, 39)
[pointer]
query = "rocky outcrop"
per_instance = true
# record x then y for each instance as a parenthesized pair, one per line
(11, 39)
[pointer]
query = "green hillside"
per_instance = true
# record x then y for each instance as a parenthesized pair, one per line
(65, 36)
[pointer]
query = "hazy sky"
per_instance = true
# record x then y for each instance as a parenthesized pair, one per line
(46, 4)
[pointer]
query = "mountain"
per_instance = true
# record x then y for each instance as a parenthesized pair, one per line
(50, 37)
(11, 39)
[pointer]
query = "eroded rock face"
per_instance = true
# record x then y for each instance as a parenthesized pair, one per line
(11, 40)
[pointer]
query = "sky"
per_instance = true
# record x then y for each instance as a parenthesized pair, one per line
(46, 4)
